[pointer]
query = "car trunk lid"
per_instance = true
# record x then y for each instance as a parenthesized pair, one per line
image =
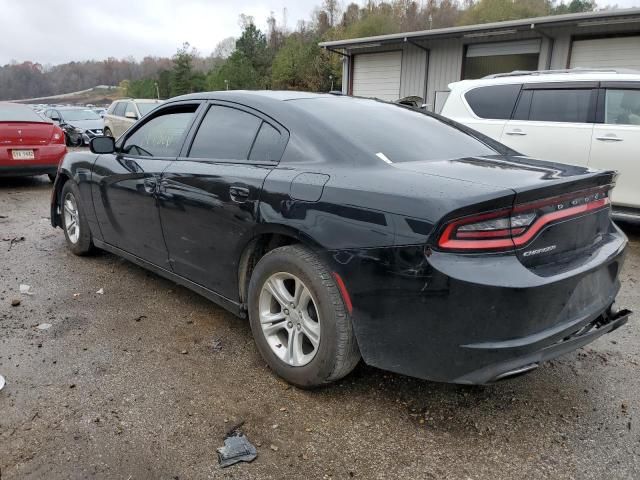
(559, 212)
(25, 134)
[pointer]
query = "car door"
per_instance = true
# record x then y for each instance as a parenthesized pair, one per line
(209, 196)
(553, 122)
(125, 183)
(616, 141)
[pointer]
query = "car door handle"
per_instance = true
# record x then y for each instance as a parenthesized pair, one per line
(516, 132)
(150, 185)
(609, 138)
(238, 193)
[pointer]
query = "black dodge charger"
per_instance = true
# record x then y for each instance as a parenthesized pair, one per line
(347, 228)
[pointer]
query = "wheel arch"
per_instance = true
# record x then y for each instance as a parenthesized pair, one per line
(266, 238)
(61, 179)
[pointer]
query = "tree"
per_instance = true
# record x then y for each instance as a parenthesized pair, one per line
(236, 73)
(182, 73)
(486, 11)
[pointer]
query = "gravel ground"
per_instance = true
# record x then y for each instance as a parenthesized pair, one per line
(144, 380)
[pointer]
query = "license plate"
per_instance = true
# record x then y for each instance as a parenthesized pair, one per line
(23, 155)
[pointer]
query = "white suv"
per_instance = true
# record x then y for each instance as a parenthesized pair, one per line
(124, 113)
(582, 117)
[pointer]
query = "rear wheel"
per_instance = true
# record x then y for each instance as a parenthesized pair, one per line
(299, 320)
(74, 220)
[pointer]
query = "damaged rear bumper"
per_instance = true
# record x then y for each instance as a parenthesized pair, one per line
(514, 367)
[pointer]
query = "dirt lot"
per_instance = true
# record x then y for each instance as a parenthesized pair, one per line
(144, 380)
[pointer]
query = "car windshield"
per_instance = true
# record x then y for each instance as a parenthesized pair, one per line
(18, 113)
(71, 115)
(146, 107)
(392, 133)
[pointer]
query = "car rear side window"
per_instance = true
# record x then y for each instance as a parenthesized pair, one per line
(120, 108)
(622, 107)
(268, 145)
(225, 134)
(162, 136)
(562, 105)
(494, 101)
(388, 133)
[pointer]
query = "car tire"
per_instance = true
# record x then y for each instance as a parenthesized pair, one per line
(108, 133)
(335, 353)
(52, 177)
(74, 221)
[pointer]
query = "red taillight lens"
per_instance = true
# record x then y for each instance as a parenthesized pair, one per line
(509, 229)
(58, 135)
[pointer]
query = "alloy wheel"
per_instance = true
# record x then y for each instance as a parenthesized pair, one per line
(289, 319)
(71, 218)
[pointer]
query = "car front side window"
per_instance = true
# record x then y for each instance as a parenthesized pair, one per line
(162, 136)
(622, 107)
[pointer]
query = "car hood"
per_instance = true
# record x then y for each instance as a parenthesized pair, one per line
(87, 124)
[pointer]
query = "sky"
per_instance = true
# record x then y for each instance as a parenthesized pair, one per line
(59, 31)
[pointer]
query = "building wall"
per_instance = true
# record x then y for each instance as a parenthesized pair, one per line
(425, 73)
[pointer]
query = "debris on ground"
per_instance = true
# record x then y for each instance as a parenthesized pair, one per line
(15, 302)
(2, 382)
(44, 326)
(13, 241)
(140, 317)
(25, 289)
(237, 448)
(216, 345)
(100, 292)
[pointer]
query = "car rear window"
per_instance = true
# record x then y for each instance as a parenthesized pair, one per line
(399, 134)
(11, 112)
(494, 101)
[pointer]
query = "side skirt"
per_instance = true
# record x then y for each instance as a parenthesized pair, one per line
(224, 302)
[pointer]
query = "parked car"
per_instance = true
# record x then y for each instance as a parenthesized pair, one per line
(345, 227)
(124, 113)
(80, 125)
(581, 117)
(29, 145)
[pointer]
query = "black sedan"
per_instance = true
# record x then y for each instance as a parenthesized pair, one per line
(347, 228)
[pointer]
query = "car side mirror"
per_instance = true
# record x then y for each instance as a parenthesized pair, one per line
(102, 145)
(131, 115)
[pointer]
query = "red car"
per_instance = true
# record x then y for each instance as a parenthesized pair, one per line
(29, 144)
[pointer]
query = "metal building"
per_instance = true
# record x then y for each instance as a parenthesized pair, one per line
(423, 63)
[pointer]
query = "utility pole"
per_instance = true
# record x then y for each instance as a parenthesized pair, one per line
(157, 90)
(226, 84)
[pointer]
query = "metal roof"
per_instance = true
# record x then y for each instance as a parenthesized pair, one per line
(588, 19)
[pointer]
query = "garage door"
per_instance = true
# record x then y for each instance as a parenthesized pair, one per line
(620, 52)
(377, 75)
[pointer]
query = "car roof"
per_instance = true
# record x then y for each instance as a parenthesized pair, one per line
(249, 95)
(547, 77)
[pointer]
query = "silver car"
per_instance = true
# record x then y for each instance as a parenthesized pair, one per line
(124, 113)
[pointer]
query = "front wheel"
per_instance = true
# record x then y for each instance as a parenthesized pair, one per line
(299, 320)
(74, 220)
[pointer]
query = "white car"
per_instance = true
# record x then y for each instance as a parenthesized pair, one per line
(124, 113)
(581, 117)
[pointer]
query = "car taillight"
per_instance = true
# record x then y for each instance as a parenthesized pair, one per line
(512, 228)
(58, 136)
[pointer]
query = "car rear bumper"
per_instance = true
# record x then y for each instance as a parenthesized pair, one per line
(47, 158)
(476, 319)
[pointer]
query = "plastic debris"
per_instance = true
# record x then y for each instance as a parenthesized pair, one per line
(236, 449)
(25, 289)
(2, 382)
(44, 326)
(100, 292)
